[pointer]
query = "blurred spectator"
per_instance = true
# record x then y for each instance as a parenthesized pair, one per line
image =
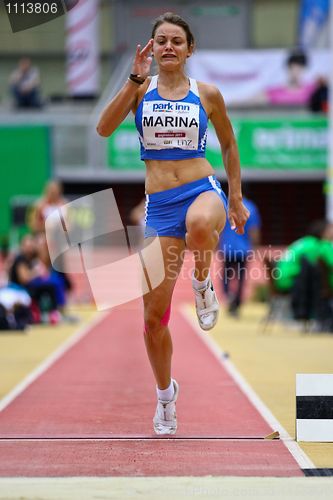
(318, 102)
(15, 308)
(25, 85)
(289, 266)
(51, 200)
(296, 91)
(235, 249)
(28, 271)
(137, 218)
(137, 214)
(306, 272)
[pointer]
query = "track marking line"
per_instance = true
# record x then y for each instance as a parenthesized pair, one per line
(144, 438)
(50, 360)
(301, 458)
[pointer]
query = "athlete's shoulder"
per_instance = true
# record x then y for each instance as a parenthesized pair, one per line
(211, 97)
(209, 90)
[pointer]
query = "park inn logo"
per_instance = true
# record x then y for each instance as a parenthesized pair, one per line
(170, 106)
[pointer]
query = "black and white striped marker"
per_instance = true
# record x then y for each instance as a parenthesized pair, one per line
(314, 407)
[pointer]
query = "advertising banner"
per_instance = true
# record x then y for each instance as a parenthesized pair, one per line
(277, 143)
(82, 46)
(263, 143)
(261, 76)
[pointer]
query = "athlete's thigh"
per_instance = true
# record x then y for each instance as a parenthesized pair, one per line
(210, 206)
(159, 298)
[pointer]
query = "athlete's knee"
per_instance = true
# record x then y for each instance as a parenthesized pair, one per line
(156, 321)
(199, 229)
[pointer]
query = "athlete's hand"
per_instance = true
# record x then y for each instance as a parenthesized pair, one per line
(237, 215)
(142, 60)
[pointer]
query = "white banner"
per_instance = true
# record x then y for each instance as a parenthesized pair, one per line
(260, 76)
(82, 45)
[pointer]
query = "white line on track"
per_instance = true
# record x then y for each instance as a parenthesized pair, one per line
(301, 458)
(49, 361)
(153, 438)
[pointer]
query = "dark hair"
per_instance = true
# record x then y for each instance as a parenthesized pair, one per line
(297, 56)
(170, 17)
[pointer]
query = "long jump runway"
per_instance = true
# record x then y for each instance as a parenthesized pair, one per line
(90, 413)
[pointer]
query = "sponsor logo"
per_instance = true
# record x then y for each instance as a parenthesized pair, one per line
(184, 142)
(170, 134)
(170, 106)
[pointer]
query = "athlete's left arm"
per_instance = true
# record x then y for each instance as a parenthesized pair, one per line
(213, 102)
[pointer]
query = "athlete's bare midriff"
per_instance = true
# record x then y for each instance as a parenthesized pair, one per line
(167, 174)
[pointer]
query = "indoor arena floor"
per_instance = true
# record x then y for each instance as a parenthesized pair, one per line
(78, 401)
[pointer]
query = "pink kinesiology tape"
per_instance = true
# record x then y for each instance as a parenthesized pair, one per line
(164, 320)
(166, 317)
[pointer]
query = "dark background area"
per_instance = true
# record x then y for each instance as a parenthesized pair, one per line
(286, 208)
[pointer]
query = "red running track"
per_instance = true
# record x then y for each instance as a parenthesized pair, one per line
(91, 413)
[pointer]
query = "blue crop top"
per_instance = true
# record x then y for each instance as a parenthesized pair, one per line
(171, 129)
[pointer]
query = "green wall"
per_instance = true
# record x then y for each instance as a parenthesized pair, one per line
(25, 165)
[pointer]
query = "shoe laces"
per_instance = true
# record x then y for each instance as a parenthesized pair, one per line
(166, 410)
(204, 296)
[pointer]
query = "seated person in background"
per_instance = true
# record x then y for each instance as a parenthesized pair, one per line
(235, 249)
(15, 308)
(25, 85)
(52, 199)
(288, 267)
(28, 271)
(59, 279)
(298, 271)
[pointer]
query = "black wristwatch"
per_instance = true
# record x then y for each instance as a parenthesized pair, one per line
(136, 79)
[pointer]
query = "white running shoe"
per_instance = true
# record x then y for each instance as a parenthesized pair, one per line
(165, 419)
(207, 306)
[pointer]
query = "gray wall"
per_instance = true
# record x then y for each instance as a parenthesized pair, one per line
(225, 24)
(215, 23)
(46, 46)
(274, 23)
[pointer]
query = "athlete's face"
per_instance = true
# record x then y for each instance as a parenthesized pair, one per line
(170, 46)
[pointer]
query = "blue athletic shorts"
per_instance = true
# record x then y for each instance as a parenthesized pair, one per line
(166, 210)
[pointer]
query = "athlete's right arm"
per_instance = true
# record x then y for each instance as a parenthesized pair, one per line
(117, 110)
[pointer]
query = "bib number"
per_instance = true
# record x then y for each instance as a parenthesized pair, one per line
(170, 124)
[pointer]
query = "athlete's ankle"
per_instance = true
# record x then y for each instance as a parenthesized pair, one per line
(198, 283)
